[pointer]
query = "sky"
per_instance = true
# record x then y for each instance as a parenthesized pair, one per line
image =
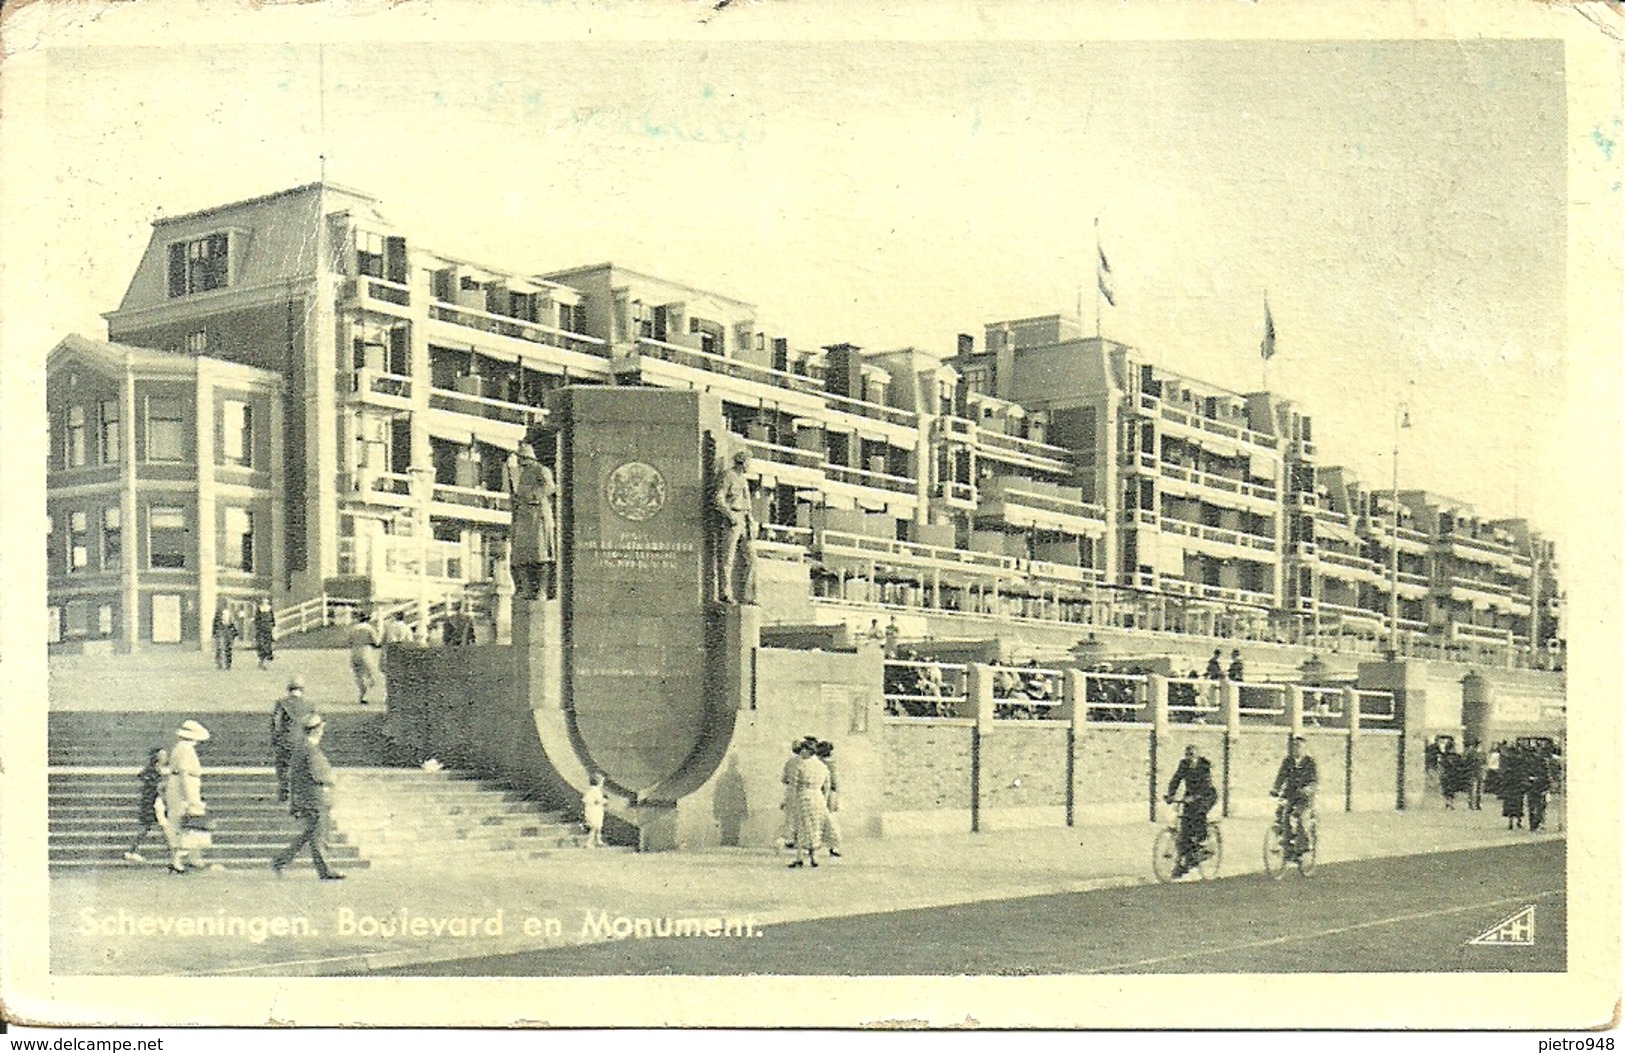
(1402, 204)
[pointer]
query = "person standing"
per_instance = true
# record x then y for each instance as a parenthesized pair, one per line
(287, 722)
(1537, 782)
(364, 644)
(831, 833)
(1473, 763)
(1510, 785)
(396, 631)
(311, 783)
(1215, 671)
(1237, 669)
(808, 787)
(787, 807)
(183, 801)
(224, 632)
(149, 808)
(265, 632)
(594, 801)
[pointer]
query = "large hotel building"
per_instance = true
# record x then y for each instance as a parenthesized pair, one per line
(296, 399)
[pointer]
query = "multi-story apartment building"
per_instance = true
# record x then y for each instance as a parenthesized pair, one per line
(1047, 475)
(162, 500)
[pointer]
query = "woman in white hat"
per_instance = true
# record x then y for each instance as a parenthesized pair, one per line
(183, 800)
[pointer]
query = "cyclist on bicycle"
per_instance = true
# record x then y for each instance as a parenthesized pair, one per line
(1295, 784)
(1196, 773)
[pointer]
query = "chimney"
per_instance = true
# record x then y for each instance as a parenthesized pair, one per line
(967, 344)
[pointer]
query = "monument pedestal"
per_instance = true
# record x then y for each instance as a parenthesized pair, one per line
(657, 826)
(739, 634)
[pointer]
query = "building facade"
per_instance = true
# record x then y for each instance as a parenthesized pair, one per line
(1045, 475)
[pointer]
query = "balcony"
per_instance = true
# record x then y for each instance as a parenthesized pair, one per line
(1234, 432)
(720, 365)
(873, 410)
(1218, 535)
(482, 406)
(875, 480)
(488, 505)
(1480, 550)
(790, 456)
(378, 294)
(514, 328)
(1354, 568)
(1222, 593)
(1467, 632)
(1303, 448)
(988, 566)
(1023, 503)
(962, 495)
(378, 388)
(1017, 450)
(1304, 498)
(1218, 483)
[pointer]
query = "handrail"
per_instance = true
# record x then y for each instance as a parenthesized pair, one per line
(864, 477)
(445, 398)
(722, 365)
(516, 328)
(873, 410)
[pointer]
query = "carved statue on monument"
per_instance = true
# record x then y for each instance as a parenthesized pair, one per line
(736, 550)
(533, 551)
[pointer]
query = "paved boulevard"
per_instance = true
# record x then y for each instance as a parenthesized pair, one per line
(1411, 914)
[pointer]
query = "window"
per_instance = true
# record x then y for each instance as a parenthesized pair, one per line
(104, 619)
(110, 431)
(166, 430)
(112, 538)
(369, 254)
(78, 538)
(197, 343)
(50, 541)
(237, 432)
(166, 538)
(237, 546)
(76, 436)
(198, 266)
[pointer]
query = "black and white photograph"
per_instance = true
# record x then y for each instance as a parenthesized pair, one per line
(765, 515)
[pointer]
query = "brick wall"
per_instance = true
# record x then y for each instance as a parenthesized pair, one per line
(1376, 757)
(1254, 758)
(1023, 772)
(927, 766)
(1329, 747)
(1112, 774)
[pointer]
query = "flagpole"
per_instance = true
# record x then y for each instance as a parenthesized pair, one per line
(1098, 335)
(1265, 358)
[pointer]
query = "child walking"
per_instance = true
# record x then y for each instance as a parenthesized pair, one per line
(593, 803)
(149, 808)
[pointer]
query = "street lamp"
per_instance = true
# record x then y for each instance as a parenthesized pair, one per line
(1402, 419)
(423, 492)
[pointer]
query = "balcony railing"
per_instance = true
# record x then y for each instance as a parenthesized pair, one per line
(1222, 535)
(482, 406)
(726, 367)
(472, 497)
(515, 328)
(955, 491)
(1202, 591)
(368, 287)
(787, 535)
(863, 477)
(365, 382)
(1012, 492)
(790, 455)
(1056, 457)
(990, 564)
(1211, 481)
(1219, 427)
(872, 410)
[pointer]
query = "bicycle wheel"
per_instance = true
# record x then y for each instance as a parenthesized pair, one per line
(1274, 852)
(1212, 852)
(1165, 855)
(1311, 836)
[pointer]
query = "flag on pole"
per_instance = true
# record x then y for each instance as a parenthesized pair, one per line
(1267, 349)
(1103, 275)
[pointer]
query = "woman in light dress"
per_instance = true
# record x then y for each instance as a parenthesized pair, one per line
(809, 784)
(185, 813)
(593, 802)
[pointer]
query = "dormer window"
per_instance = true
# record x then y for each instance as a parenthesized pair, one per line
(198, 266)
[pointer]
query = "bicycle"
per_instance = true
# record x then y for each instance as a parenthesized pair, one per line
(1280, 842)
(1165, 849)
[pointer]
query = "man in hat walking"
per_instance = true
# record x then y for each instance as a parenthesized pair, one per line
(287, 723)
(310, 784)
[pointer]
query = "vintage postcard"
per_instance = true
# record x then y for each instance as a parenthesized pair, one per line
(783, 515)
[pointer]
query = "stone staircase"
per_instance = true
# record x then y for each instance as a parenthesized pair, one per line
(91, 821)
(405, 815)
(92, 739)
